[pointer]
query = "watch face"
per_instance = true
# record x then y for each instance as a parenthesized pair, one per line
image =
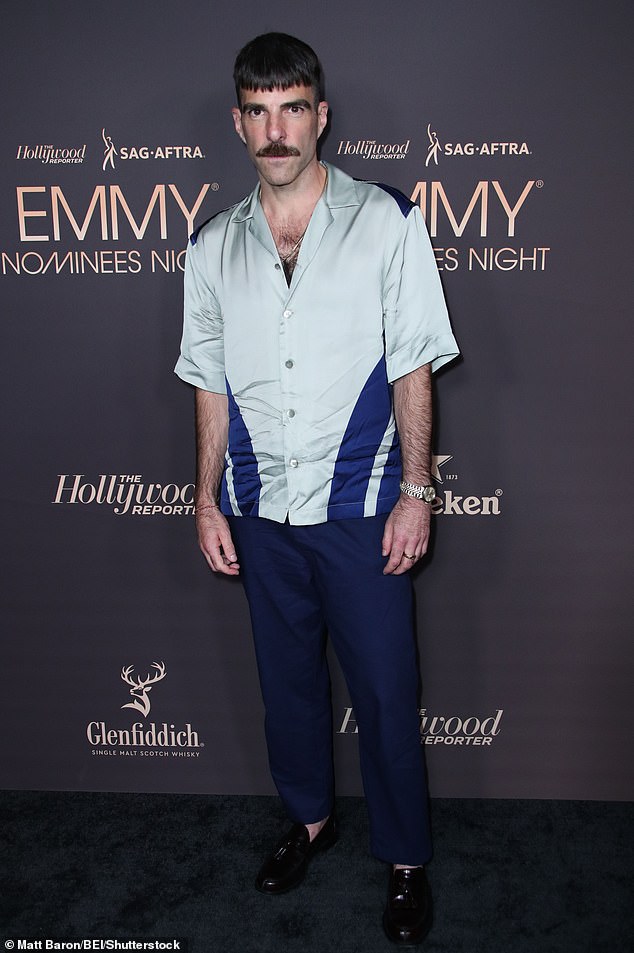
(429, 494)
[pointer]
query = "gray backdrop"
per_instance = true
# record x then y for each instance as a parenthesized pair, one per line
(511, 125)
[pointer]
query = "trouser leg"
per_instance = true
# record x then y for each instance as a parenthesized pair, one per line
(370, 621)
(289, 637)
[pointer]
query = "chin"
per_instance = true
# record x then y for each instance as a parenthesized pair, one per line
(282, 174)
(283, 177)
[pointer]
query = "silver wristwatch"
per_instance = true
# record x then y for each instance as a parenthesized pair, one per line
(425, 493)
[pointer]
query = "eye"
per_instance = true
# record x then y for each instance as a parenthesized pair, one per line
(254, 112)
(296, 110)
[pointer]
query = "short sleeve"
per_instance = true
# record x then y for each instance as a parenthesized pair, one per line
(416, 323)
(201, 360)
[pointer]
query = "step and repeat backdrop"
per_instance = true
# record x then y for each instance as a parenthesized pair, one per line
(126, 665)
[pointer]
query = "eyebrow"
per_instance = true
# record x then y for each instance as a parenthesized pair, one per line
(292, 102)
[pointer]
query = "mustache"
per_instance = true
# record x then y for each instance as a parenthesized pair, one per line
(276, 149)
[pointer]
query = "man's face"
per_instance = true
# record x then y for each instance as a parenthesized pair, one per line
(280, 129)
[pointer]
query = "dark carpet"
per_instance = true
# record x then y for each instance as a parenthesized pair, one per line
(507, 876)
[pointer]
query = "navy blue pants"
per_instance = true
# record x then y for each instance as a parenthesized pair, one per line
(304, 581)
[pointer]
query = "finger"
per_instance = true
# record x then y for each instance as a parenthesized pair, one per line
(214, 559)
(221, 566)
(230, 569)
(393, 562)
(386, 544)
(224, 564)
(217, 561)
(408, 561)
(229, 555)
(401, 568)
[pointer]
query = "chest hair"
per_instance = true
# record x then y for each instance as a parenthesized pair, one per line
(288, 236)
(288, 241)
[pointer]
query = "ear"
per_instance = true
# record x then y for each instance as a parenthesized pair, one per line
(322, 117)
(237, 122)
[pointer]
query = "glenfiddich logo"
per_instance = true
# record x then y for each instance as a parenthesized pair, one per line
(141, 687)
(143, 739)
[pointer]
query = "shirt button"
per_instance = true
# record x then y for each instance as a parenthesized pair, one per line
(294, 462)
(291, 413)
(287, 313)
(277, 266)
(289, 364)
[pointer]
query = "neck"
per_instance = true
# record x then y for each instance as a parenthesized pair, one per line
(295, 200)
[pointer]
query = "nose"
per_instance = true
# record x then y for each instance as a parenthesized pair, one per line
(275, 131)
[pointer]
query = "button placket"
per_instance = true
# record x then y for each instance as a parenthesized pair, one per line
(287, 363)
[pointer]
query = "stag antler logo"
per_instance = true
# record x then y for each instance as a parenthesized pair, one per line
(141, 686)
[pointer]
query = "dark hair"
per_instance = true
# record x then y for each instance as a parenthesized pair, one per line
(277, 61)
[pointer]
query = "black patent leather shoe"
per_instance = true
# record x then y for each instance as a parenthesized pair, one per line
(287, 865)
(408, 912)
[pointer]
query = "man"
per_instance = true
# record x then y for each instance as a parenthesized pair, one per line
(313, 319)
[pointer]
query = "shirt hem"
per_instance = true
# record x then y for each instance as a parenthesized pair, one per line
(326, 514)
(436, 352)
(192, 375)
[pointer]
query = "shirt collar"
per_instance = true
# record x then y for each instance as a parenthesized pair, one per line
(340, 193)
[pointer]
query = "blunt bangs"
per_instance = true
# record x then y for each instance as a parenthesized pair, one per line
(277, 61)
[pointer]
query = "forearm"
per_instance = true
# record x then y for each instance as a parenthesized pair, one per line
(214, 536)
(407, 527)
(212, 423)
(413, 412)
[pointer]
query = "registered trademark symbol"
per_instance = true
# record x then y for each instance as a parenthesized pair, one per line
(202, 744)
(540, 183)
(499, 492)
(214, 186)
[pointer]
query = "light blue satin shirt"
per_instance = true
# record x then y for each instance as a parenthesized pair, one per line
(308, 368)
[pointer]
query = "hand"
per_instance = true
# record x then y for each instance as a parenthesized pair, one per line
(406, 532)
(214, 539)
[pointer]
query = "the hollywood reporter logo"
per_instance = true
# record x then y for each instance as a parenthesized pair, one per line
(455, 730)
(125, 493)
(458, 731)
(53, 155)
